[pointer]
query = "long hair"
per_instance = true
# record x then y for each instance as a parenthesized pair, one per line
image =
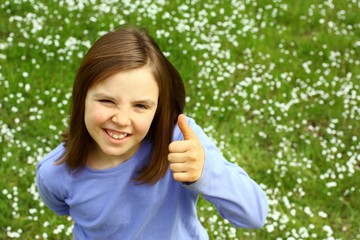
(120, 50)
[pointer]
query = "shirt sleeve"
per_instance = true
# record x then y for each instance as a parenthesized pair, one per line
(48, 183)
(235, 195)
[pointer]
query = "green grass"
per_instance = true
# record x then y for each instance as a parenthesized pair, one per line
(274, 83)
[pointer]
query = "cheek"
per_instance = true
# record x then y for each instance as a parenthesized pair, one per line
(144, 124)
(94, 116)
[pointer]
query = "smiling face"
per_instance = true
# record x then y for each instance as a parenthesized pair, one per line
(118, 114)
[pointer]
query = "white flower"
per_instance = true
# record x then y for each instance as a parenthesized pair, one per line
(322, 214)
(27, 87)
(331, 184)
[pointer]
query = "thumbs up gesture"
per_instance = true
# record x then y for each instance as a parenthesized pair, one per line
(186, 157)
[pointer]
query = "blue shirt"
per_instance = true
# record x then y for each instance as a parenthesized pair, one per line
(109, 204)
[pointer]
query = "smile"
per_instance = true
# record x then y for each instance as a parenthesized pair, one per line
(116, 135)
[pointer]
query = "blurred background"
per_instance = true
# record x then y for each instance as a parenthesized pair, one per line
(275, 83)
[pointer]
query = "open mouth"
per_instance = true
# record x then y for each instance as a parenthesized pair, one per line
(116, 135)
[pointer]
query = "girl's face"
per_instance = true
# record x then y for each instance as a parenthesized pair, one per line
(118, 115)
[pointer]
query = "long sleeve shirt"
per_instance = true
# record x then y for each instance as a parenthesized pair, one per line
(109, 204)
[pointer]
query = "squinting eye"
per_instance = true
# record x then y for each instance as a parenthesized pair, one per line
(142, 106)
(105, 101)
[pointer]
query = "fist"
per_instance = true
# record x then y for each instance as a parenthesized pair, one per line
(186, 157)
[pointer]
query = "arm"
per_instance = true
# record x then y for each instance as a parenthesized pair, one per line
(48, 181)
(235, 195)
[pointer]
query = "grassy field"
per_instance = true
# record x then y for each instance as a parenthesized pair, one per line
(274, 83)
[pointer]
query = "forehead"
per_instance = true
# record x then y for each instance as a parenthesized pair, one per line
(135, 82)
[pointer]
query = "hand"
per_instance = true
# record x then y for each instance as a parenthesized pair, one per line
(186, 157)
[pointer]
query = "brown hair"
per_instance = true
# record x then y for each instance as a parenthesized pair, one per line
(123, 49)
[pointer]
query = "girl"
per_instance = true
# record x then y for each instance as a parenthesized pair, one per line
(131, 165)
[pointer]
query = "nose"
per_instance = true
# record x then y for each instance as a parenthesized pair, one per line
(121, 118)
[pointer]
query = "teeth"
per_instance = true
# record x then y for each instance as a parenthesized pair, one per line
(117, 136)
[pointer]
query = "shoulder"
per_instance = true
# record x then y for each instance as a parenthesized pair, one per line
(47, 168)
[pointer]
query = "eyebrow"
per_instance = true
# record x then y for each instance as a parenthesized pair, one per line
(102, 95)
(148, 101)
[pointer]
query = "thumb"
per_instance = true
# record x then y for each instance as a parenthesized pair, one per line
(185, 129)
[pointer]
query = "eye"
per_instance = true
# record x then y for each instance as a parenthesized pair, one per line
(105, 101)
(141, 106)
